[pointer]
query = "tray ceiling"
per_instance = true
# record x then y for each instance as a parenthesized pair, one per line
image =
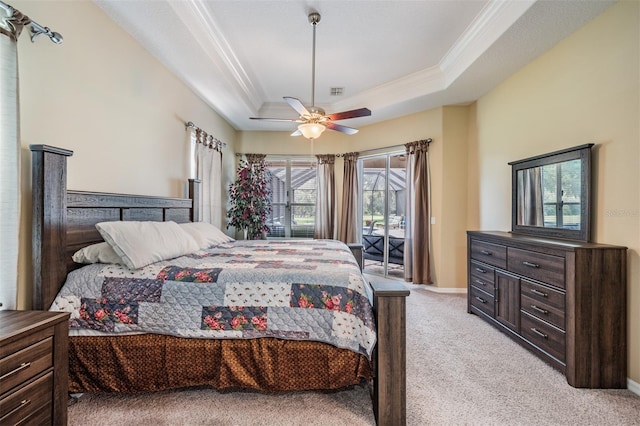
(394, 57)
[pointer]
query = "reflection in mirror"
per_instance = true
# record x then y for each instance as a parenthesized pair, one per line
(549, 195)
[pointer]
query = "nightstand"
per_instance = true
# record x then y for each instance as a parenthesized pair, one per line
(33, 367)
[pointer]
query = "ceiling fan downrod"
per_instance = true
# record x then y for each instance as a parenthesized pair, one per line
(314, 18)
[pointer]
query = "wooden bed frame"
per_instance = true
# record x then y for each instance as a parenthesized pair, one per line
(64, 221)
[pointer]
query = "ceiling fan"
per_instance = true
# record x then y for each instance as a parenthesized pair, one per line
(314, 120)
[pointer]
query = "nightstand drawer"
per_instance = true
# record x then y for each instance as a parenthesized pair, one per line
(28, 403)
(33, 362)
(25, 364)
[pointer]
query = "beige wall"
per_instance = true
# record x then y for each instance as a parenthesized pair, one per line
(585, 89)
(103, 96)
(453, 201)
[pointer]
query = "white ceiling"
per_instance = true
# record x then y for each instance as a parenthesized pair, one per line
(394, 57)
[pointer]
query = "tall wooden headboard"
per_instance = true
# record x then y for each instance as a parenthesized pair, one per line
(64, 221)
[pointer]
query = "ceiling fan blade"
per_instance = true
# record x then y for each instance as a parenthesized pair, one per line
(296, 133)
(342, 129)
(362, 112)
(295, 120)
(297, 105)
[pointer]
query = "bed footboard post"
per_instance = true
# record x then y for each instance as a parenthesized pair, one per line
(49, 199)
(194, 194)
(390, 383)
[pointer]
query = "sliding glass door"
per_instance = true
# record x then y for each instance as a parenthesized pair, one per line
(382, 202)
(293, 198)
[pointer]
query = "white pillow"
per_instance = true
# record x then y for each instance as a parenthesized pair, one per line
(206, 234)
(141, 243)
(97, 253)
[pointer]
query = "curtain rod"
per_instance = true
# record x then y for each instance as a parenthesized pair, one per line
(399, 146)
(189, 124)
(240, 154)
(16, 19)
(366, 151)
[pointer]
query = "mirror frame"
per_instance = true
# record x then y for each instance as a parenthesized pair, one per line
(581, 152)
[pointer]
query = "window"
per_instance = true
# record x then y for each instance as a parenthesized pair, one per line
(561, 194)
(293, 197)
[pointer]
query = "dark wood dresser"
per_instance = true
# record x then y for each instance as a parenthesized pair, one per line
(33, 367)
(564, 300)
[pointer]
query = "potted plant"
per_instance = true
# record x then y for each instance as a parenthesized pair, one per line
(250, 203)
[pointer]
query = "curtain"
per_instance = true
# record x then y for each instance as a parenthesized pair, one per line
(529, 203)
(325, 198)
(11, 24)
(349, 232)
(208, 161)
(417, 262)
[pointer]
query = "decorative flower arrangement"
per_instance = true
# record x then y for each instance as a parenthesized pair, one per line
(250, 202)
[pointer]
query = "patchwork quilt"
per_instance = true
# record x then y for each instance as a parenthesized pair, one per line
(293, 289)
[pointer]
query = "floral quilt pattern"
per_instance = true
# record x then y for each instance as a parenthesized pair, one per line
(288, 289)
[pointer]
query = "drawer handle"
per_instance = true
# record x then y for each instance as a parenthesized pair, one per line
(539, 333)
(530, 264)
(538, 292)
(22, 366)
(23, 404)
(480, 299)
(482, 271)
(540, 310)
(486, 253)
(480, 282)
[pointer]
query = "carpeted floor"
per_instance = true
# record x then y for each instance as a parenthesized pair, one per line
(460, 371)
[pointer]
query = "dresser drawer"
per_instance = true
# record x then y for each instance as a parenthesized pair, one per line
(543, 335)
(493, 254)
(541, 267)
(543, 294)
(483, 301)
(25, 364)
(544, 312)
(482, 276)
(28, 403)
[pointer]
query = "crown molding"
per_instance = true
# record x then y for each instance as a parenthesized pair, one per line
(492, 22)
(207, 33)
(422, 82)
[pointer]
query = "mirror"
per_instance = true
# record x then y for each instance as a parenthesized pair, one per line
(551, 194)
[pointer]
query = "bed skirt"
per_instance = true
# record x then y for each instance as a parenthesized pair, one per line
(152, 362)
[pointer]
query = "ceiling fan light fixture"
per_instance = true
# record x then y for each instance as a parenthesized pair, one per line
(311, 130)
